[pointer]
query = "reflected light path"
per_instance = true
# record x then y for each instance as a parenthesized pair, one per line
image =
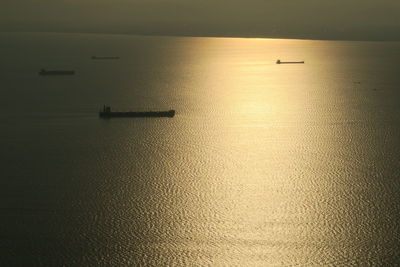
(274, 179)
(262, 165)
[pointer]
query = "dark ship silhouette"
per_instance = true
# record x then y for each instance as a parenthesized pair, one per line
(289, 62)
(107, 113)
(56, 72)
(105, 57)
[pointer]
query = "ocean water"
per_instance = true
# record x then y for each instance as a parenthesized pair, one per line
(263, 164)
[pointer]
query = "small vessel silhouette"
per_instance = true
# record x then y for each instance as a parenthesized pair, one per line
(56, 72)
(289, 62)
(97, 57)
(106, 113)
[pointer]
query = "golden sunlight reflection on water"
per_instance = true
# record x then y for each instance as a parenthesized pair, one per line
(263, 164)
(274, 156)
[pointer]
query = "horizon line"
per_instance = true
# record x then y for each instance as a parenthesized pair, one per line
(204, 36)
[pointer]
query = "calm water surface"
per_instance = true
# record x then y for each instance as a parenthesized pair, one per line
(263, 165)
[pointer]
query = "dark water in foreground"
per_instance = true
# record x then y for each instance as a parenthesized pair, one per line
(263, 164)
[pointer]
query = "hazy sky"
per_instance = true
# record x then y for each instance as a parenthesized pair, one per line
(317, 19)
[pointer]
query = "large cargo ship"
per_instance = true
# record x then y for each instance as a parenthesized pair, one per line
(56, 72)
(107, 113)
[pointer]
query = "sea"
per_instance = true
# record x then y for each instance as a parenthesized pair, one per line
(262, 165)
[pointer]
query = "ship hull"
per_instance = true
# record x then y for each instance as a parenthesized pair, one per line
(151, 114)
(99, 58)
(290, 62)
(57, 72)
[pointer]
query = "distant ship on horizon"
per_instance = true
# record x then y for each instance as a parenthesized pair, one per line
(105, 57)
(289, 62)
(56, 72)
